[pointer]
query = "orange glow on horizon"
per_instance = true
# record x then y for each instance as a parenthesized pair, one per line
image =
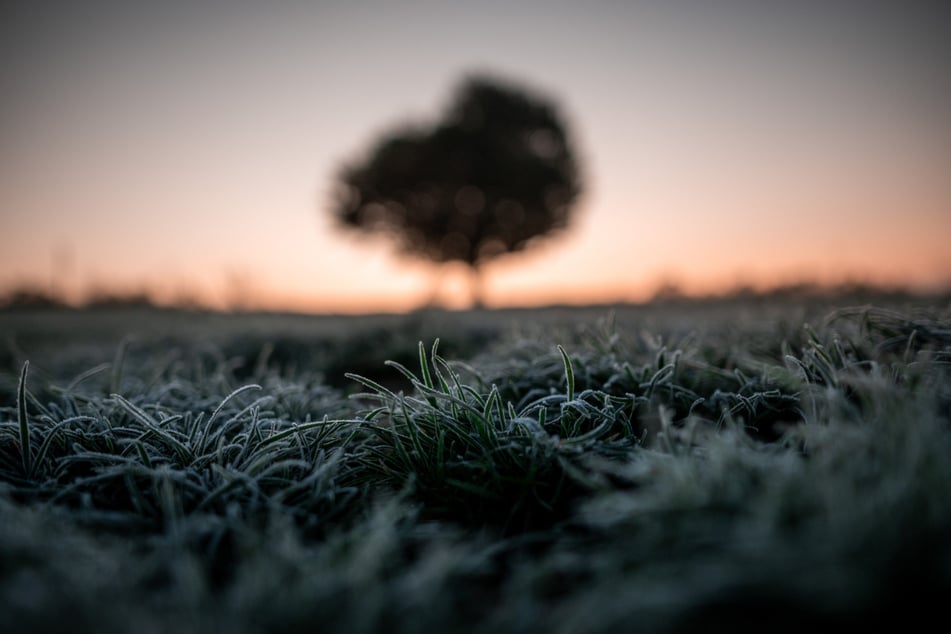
(453, 292)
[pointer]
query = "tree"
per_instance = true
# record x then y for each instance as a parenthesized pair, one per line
(494, 175)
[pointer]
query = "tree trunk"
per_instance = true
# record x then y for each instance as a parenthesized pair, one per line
(432, 301)
(476, 287)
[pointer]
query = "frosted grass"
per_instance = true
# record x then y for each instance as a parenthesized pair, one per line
(616, 477)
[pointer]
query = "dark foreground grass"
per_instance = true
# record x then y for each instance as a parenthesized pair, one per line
(675, 473)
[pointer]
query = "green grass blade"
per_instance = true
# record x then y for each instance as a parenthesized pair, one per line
(143, 454)
(569, 373)
(402, 369)
(378, 391)
(424, 364)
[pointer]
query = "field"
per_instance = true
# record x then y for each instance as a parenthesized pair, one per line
(759, 464)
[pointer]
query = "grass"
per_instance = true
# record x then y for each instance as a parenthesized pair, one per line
(674, 469)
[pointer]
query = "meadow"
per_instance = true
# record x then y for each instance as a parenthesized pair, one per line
(755, 463)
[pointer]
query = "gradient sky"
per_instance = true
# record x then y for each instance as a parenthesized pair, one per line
(190, 147)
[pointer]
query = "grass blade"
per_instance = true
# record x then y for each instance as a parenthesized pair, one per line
(424, 364)
(117, 363)
(569, 373)
(240, 390)
(24, 422)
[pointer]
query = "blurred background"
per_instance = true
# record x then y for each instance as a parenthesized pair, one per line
(187, 152)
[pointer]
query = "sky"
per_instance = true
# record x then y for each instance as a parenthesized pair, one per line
(190, 148)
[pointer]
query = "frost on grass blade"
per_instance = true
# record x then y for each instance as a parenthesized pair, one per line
(24, 422)
(569, 373)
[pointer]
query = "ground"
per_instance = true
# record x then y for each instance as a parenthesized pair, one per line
(778, 462)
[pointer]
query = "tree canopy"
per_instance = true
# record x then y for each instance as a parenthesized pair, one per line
(494, 174)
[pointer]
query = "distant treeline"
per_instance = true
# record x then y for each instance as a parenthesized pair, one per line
(27, 298)
(32, 298)
(804, 290)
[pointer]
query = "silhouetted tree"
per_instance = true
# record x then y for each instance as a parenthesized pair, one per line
(494, 174)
